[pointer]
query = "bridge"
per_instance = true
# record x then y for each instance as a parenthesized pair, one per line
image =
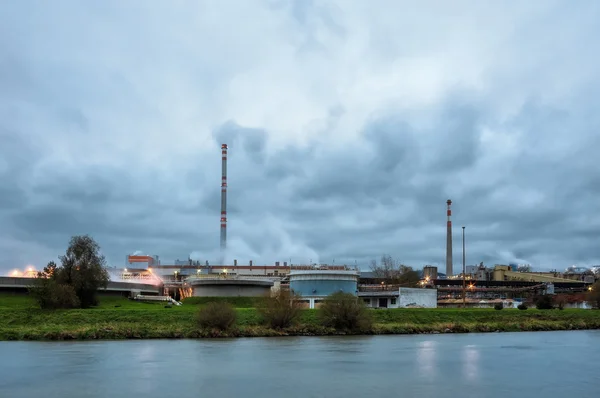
(18, 284)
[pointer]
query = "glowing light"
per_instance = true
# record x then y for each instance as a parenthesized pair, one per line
(125, 270)
(15, 273)
(149, 269)
(224, 270)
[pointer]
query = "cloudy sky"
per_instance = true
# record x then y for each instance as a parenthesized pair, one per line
(349, 123)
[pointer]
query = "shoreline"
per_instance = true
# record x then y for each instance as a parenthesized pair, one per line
(122, 319)
(151, 332)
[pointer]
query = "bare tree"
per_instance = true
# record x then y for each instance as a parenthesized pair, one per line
(394, 272)
(386, 269)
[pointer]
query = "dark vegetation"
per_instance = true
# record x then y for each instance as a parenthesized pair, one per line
(75, 282)
(522, 307)
(344, 311)
(280, 311)
(544, 302)
(217, 315)
(498, 306)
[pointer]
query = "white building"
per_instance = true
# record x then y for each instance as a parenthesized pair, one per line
(404, 297)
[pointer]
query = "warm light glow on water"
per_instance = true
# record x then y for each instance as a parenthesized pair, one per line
(494, 365)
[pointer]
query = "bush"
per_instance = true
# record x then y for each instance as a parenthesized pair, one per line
(216, 315)
(51, 295)
(64, 296)
(544, 303)
(498, 306)
(281, 310)
(560, 302)
(522, 307)
(344, 311)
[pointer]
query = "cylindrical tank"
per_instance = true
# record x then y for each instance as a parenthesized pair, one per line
(429, 271)
(322, 283)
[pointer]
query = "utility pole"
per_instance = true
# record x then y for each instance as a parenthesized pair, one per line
(464, 270)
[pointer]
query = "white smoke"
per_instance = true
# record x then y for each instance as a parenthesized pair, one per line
(279, 246)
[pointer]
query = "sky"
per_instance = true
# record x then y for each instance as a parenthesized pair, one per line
(349, 125)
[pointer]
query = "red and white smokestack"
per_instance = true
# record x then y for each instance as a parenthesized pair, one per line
(223, 198)
(449, 241)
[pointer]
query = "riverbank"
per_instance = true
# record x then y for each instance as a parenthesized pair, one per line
(117, 318)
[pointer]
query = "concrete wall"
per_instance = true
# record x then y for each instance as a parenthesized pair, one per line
(418, 297)
(318, 283)
(374, 302)
(230, 290)
(311, 302)
(322, 288)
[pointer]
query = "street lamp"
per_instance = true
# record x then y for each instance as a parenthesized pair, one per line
(464, 269)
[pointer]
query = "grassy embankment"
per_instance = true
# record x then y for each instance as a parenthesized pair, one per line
(118, 318)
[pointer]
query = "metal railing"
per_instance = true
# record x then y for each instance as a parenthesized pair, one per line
(231, 277)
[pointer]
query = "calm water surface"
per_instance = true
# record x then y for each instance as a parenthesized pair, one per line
(548, 364)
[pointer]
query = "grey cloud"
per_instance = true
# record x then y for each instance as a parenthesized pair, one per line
(514, 149)
(251, 140)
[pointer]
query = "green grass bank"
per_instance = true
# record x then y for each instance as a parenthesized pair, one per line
(117, 318)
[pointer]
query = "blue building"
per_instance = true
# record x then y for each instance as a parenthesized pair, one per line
(314, 285)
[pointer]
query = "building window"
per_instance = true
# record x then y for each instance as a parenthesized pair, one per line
(393, 301)
(367, 301)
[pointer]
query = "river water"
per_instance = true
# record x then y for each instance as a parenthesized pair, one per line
(543, 364)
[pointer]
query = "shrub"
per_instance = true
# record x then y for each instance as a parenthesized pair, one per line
(280, 310)
(216, 315)
(51, 295)
(64, 296)
(498, 306)
(560, 302)
(544, 302)
(522, 307)
(344, 311)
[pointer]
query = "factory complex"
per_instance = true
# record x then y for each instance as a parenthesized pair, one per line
(144, 276)
(481, 285)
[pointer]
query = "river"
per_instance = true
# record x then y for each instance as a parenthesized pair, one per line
(542, 364)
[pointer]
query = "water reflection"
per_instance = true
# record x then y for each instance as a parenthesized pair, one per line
(470, 362)
(409, 366)
(426, 358)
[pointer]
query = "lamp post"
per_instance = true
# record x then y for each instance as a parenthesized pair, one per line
(464, 269)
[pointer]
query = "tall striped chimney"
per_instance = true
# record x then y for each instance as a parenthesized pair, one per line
(449, 241)
(223, 200)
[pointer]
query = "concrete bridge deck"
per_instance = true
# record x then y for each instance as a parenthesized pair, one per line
(16, 284)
